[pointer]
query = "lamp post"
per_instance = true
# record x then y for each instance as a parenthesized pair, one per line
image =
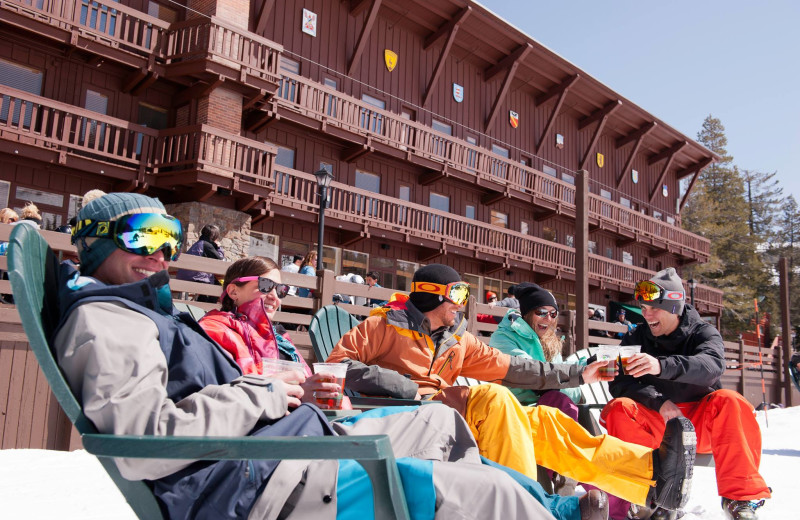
(324, 178)
(692, 285)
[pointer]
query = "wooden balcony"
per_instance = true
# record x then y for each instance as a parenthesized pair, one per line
(196, 156)
(360, 214)
(202, 48)
(372, 129)
(205, 159)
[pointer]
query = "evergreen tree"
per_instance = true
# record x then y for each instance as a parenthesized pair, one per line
(764, 200)
(718, 210)
(788, 245)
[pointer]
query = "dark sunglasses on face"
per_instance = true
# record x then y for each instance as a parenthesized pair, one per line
(265, 285)
(543, 313)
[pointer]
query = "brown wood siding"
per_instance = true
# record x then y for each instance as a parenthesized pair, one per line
(406, 85)
(30, 416)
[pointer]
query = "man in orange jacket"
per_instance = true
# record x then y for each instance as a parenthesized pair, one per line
(419, 347)
(677, 374)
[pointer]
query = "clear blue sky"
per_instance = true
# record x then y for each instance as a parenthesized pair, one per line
(683, 60)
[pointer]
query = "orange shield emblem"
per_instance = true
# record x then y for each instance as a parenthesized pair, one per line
(390, 58)
(601, 160)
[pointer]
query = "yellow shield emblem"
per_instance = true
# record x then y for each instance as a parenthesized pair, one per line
(390, 58)
(601, 160)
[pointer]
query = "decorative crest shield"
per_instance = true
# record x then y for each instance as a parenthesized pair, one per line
(635, 176)
(458, 92)
(513, 118)
(665, 190)
(601, 160)
(390, 57)
(309, 22)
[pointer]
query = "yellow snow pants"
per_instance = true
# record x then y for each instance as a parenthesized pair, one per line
(520, 437)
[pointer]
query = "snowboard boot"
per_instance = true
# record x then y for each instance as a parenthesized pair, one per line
(673, 465)
(637, 512)
(666, 514)
(594, 505)
(741, 509)
(563, 486)
(653, 513)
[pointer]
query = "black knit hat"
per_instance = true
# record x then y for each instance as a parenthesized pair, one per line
(435, 273)
(532, 296)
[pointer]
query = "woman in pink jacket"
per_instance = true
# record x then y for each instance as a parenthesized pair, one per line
(251, 295)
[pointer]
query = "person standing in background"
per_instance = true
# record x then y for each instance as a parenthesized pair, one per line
(206, 247)
(372, 280)
(308, 268)
(293, 267)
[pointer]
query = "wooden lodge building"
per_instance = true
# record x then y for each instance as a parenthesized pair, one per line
(452, 136)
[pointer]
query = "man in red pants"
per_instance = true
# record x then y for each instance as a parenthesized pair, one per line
(678, 374)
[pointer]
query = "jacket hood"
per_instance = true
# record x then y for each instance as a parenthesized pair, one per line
(513, 322)
(690, 321)
(152, 293)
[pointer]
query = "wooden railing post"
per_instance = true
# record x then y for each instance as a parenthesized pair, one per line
(742, 367)
(786, 332)
(471, 315)
(581, 258)
(324, 294)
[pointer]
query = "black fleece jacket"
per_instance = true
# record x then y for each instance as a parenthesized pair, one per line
(692, 361)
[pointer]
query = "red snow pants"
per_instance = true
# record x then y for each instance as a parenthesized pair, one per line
(725, 426)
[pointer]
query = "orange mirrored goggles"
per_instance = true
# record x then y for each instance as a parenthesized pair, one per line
(456, 292)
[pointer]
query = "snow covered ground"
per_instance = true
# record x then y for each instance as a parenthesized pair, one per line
(39, 484)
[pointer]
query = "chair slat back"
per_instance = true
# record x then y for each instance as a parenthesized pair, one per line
(32, 270)
(327, 327)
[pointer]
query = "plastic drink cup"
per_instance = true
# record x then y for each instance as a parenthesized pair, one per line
(626, 352)
(338, 371)
(608, 353)
(276, 366)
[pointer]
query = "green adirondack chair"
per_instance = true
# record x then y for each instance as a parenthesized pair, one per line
(32, 268)
(327, 327)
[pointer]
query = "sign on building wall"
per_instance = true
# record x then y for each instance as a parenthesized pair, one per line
(665, 191)
(559, 141)
(635, 176)
(390, 57)
(601, 160)
(458, 92)
(309, 22)
(513, 118)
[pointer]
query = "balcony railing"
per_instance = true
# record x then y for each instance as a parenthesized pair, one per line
(299, 189)
(69, 129)
(310, 99)
(204, 38)
(106, 21)
(205, 148)
(121, 27)
(73, 131)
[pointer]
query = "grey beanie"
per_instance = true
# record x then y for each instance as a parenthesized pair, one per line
(675, 298)
(109, 207)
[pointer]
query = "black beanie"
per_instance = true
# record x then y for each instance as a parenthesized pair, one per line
(435, 273)
(532, 296)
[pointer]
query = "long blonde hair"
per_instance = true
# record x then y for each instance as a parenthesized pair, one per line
(551, 342)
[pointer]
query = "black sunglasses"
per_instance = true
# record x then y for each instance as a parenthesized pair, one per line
(543, 313)
(265, 285)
